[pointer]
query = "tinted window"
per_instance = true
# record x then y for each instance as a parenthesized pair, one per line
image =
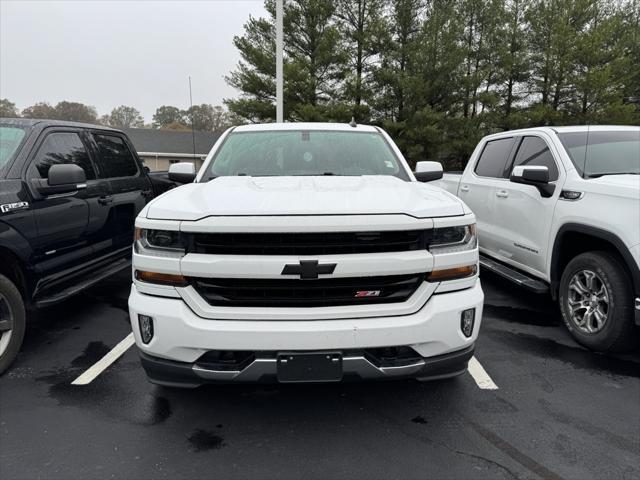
(493, 160)
(115, 157)
(62, 148)
(534, 151)
(310, 152)
(603, 153)
(10, 140)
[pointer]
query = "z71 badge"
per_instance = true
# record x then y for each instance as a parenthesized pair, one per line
(12, 207)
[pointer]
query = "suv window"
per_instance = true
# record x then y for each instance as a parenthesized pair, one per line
(62, 148)
(493, 159)
(533, 151)
(611, 152)
(115, 157)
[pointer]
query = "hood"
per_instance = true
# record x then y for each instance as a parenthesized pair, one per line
(326, 195)
(626, 186)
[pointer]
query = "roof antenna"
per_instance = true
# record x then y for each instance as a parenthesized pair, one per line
(193, 127)
(353, 123)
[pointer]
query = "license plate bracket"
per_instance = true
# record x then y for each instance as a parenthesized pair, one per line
(296, 367)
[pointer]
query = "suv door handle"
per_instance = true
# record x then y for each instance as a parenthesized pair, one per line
(146, 193)
(464, 188)
(502, 194)
(105, 200)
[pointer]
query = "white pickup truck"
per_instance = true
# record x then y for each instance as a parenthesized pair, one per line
(558, 210)
(305, 252)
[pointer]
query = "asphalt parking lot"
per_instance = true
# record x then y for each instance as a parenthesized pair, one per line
(559, 410)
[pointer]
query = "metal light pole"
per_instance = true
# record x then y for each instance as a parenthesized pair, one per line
(279, 80)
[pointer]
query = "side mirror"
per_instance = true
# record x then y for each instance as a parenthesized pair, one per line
(183, 172)
(62, 178)
(534, 175)
(428, 171)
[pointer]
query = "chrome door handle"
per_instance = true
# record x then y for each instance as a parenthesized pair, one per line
(502, 194)
(464, 188)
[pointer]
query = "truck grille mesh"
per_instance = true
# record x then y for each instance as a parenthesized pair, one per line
(308, 243)
(324, 292)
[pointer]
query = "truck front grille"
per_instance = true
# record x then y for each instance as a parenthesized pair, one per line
(308, 243)
(324, 292)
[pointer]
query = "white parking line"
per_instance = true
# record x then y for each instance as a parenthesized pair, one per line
(101, 365)
(480, 375)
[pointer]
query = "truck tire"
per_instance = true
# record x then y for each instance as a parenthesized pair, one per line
(12, 322)
(596, 302)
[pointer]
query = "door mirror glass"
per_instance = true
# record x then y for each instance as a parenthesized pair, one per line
(183, 172)
(428, 171)
(537, 176)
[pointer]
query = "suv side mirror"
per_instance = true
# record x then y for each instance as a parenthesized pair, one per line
(535, 175)
(62, 178)
(183, 172)
(428, 171)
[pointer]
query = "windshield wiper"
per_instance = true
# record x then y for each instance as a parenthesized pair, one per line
(597, 175)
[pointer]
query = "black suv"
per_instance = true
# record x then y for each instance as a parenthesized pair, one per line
(69, 195)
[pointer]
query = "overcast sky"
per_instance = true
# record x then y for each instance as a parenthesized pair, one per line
(110, 53)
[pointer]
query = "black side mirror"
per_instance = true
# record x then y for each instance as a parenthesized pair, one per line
(62, 178)
(534, 175)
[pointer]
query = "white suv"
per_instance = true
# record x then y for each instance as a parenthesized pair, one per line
(558, 211)
(305, 252)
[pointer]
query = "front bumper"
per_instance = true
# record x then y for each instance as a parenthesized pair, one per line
(264, 370)
(181, 337)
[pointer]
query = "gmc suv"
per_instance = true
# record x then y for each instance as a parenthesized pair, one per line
(558, 211)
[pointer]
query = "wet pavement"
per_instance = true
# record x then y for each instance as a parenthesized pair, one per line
(560, 411)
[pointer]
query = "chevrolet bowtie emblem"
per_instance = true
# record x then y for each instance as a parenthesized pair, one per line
(309, 269)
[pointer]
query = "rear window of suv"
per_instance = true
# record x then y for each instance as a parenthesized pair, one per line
(494, 157)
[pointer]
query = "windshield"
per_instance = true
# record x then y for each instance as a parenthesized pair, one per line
(10, 140)
(308, 152)
(603, 153)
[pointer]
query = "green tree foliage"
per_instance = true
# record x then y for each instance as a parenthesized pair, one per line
(315, 64)
(362, 30)
(39, 110)
(8, 109)
(69, 111)
(205, 118)
(440, 74)
(76, 112)
(124, 117)
(167, 115)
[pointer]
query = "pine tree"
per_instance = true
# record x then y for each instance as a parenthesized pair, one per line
(361, 28)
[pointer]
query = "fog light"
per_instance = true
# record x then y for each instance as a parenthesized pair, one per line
(146, 328)
(467, 319)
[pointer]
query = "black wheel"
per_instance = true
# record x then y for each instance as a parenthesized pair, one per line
(596, 302)
(12, 322)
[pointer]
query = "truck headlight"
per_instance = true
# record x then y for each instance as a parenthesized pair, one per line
(453, 239)
(159, 242)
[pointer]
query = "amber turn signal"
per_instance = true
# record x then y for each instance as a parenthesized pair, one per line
(452, 273)
(161, 278)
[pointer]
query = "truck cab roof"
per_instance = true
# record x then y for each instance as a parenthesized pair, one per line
(43, 123)
(264, 127)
